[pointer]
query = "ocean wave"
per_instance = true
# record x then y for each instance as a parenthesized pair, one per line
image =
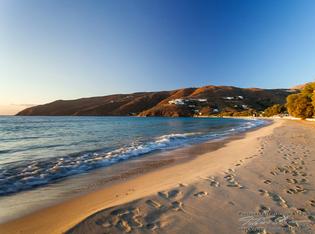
(15, 178)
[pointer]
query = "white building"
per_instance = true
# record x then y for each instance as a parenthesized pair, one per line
(178, 101)
(291, 90)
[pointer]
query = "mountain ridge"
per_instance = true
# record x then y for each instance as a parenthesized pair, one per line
(206, 100)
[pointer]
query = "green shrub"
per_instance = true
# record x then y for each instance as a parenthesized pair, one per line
(274, 110)
(300, 105)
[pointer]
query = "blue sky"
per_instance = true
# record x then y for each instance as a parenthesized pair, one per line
(69, 49)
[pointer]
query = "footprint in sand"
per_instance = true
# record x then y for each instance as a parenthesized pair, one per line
(292, 191)
(297, 189)
(152, 226)
(304, 174)
(177, 205)
(153, 204)
(303, 210)
(124, 226)
(120, 212)
(278, 218)
(169, 194)
(275, 197)
(123, 219)
(267, 181)
(262, 192)
(263, 209)
(282, 169)
(292, 181)
(232, 182)
(135, 222)
(273, 173)
(230, 170)
(182, 185)
(201, 194)
(312, 203)
(278, 199)
(213, 182)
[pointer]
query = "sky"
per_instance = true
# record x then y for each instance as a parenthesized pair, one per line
(59, 49)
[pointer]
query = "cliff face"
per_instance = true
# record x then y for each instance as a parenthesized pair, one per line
(183, 102)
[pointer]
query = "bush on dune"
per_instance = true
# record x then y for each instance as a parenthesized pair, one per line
(302, 105)
(274, 110)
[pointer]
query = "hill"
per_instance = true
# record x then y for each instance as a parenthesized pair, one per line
(207, 100)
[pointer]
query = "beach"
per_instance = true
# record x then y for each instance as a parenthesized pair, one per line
(261, 182)
(166, 117)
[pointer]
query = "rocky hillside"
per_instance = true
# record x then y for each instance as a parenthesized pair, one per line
(208, 100)
(299, 87)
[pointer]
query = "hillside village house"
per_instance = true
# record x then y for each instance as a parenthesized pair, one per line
(180, 101)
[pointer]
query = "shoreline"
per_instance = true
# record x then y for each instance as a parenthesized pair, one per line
(67, 214)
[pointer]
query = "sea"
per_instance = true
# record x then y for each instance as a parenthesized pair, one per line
(36, 152)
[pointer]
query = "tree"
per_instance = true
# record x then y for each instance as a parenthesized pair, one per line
(274, 110)
(302, 104)
(299, 105)
(309, 89)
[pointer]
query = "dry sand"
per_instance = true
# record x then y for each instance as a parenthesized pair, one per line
(263, 182)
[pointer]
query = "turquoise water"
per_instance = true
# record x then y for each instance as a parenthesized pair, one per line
(35, 151)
